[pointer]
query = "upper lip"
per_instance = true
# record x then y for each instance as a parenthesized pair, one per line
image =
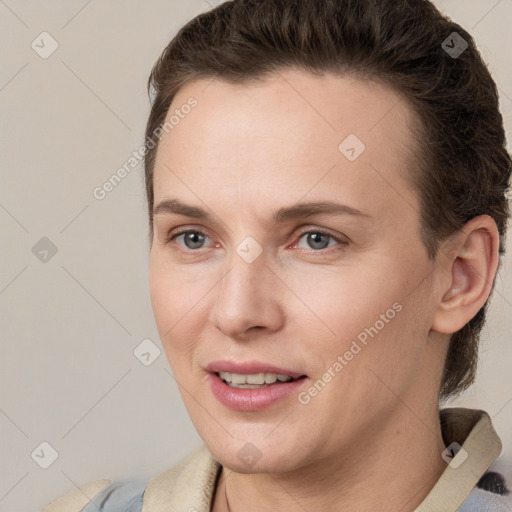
(250, 367)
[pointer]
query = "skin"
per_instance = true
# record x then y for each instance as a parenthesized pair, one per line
(243, 152)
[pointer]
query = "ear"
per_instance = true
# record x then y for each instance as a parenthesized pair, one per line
(469, 265)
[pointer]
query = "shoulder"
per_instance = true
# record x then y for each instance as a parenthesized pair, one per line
(187, 485)
(481, 500)
(101, 496)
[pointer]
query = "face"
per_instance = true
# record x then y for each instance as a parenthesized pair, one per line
(248, 281)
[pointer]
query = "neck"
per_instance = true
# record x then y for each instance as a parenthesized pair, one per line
(390, 469)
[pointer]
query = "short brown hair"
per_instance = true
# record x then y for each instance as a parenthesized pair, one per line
(461, 167)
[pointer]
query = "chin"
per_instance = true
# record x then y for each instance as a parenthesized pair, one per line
(260, 455)
(264, 465)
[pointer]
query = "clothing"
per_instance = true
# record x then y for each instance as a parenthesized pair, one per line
(189, 486)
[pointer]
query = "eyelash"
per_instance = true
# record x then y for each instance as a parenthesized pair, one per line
(343, 243)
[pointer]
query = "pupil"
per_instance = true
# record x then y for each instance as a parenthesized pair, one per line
(314, 237)
(194, 238)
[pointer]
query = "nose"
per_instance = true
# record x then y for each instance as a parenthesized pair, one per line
(247, 299)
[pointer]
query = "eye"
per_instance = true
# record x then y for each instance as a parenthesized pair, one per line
(318, 238)
(192, 238)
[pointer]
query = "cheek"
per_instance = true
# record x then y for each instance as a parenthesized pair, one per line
(359, 316)
(166, 296)
(177, 306)
(169, 291)
(160, 295)
(344, 303)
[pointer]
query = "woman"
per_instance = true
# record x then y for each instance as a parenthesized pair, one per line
(327, 212)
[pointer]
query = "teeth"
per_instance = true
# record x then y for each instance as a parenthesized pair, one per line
(254, 380)
(257, 378)
(270, 378)
(237, 379)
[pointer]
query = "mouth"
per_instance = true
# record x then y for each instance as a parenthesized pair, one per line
(255, 380)
(252, 386)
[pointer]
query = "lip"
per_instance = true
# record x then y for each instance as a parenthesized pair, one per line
(250, 367)
(251, 399)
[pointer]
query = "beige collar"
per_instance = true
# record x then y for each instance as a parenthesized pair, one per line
(473, 430)
(190, 486)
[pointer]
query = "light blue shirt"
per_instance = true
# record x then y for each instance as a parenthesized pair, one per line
(118, 497)
(127, 497)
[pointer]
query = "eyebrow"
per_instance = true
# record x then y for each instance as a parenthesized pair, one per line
(298, 211)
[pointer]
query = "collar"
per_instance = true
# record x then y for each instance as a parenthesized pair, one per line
(190, 485)
(473, 430)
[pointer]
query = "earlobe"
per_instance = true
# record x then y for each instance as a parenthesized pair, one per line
(471, 272)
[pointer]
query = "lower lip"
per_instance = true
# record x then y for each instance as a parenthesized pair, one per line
(252, 399)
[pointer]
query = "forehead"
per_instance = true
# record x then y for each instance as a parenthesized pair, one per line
(292, 134)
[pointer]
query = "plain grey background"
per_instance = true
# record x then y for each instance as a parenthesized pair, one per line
(70, 324)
